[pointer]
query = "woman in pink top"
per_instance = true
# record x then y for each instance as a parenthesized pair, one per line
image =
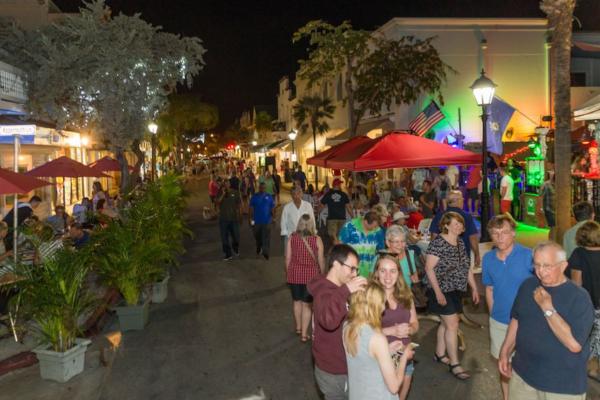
(303, 261)
(399, 320)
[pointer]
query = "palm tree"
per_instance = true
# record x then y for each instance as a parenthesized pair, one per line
(560, 17)
(312, 111)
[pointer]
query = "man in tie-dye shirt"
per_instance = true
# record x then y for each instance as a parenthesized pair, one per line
(366, 237)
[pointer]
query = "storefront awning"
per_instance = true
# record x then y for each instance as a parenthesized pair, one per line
(589, 110)
(385, 125)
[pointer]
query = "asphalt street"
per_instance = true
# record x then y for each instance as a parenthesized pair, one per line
(226, 332)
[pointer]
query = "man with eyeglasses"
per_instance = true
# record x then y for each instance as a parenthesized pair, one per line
(330, 296)
(551, 321)
(503, 270)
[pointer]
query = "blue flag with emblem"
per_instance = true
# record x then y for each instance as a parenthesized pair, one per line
(499, 114)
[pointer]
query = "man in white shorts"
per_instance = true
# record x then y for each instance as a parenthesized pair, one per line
(504, 269)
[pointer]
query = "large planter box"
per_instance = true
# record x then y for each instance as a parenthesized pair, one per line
(160, 290)
(61, 367)
(133, 318)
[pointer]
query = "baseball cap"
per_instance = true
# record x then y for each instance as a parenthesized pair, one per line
(337, 181)
(399, 215)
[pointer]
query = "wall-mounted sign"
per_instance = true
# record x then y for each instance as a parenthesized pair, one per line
(22, 130)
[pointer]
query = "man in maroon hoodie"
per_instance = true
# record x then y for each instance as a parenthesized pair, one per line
(330, 296)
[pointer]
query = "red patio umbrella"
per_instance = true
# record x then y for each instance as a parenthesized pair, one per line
(402, 150)
(105, 164)
(12, 182)
(66, 168)
(321, 158)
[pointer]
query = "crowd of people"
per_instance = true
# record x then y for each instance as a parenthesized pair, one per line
(361, 263)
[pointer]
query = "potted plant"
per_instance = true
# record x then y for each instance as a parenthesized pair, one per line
(164, 201)
(128, 258)
(54, 295)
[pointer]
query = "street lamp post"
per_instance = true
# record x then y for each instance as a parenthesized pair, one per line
(153, 128)
(483, 89)
(292, 136)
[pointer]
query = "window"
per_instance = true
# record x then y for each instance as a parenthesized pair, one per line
(577, 79)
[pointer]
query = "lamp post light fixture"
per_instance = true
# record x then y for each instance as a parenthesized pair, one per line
(292, 136)
(483, 89)
(153, 128)
(254, 143)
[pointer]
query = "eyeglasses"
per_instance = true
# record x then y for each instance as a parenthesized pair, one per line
(545, 266)
(353, 269)
(500, 233)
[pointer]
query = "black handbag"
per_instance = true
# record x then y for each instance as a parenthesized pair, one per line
(417, 288)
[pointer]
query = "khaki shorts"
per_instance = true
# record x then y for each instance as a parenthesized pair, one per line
(518, 389)
(334, 226)
(497, 335)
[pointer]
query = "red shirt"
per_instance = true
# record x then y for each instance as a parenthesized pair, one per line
(329, 312)
(213, 188)
(414, 219)
(474, 178)
(303, 266)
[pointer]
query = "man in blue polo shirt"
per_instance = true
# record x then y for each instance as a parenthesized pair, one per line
(470, 236)
(261, 214)
(504, 269)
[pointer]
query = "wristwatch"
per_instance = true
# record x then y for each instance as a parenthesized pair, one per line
(549, 313)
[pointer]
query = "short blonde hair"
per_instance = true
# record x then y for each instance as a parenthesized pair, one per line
(306, 226)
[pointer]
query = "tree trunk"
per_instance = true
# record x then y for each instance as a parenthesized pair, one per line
(560, 16)
(314, 132)
(139, 154)
(120, 153)
(350, 98)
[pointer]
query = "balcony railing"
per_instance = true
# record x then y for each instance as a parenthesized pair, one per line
(12, 84)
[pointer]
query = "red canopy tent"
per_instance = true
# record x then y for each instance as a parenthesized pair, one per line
(320, 160)
(401, 150)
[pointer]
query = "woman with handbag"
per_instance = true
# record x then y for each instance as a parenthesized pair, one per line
(399, 320)
(448, 275)
(303, 261)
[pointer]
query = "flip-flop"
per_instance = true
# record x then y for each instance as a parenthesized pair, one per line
(298, 331)
(305, 339)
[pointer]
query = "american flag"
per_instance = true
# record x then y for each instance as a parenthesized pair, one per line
(426, 119)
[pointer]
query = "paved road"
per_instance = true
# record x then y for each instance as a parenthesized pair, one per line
(226, 332)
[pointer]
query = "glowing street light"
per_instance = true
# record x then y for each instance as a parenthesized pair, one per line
(483, 89)
(292, 135)
(153, 128)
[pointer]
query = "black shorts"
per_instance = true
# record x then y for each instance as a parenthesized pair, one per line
(453, 303)
(300, 293)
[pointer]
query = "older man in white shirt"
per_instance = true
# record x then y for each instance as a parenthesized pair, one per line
(291, 214)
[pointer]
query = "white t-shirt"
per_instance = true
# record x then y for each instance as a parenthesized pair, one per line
(418, 177)
(508, 183)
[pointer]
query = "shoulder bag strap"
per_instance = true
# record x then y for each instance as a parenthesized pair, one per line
(310, 251)
(411, 267)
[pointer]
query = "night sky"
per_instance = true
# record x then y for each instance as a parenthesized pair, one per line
(249, 42)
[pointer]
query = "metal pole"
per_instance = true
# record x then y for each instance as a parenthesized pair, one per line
(485, 195)
(17, 144)
(153, 142)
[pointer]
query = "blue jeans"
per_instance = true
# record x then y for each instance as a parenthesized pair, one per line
(230, 228)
